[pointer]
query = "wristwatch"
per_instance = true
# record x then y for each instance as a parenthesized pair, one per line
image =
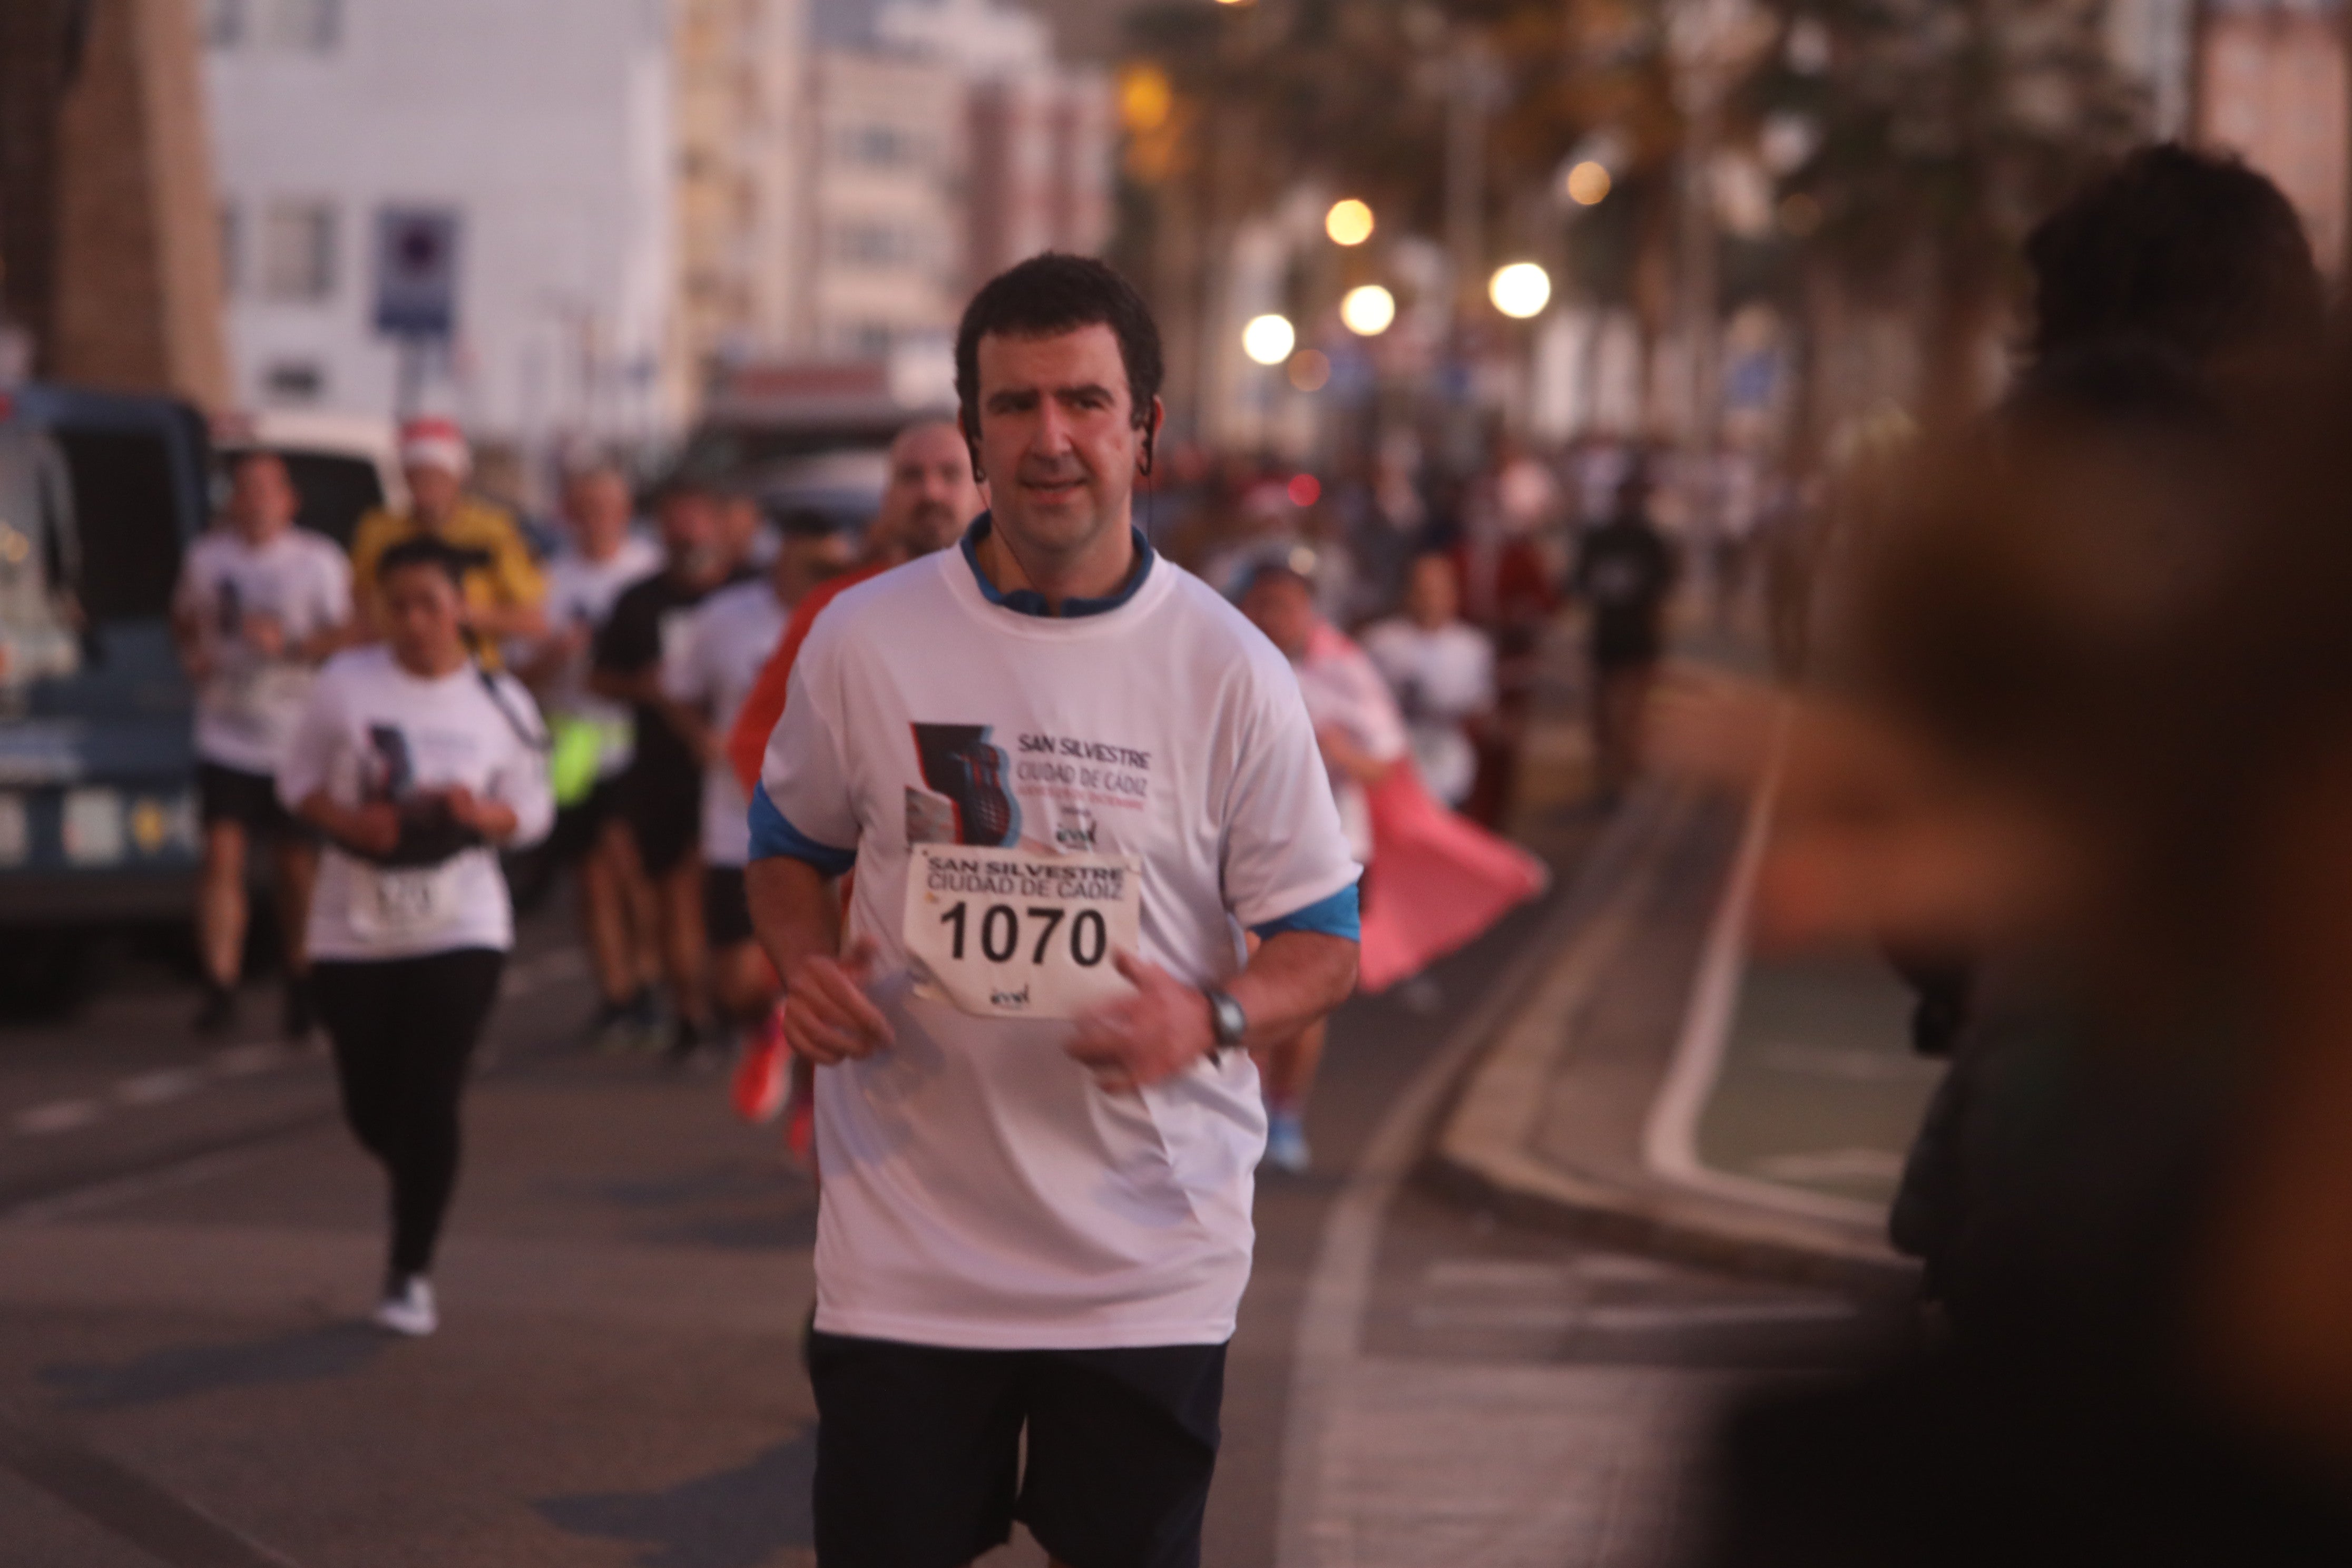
(1227, 1022)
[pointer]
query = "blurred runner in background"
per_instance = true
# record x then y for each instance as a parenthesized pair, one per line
(260, 604)
(1363, 738)
(1624, 570)
(661, 794)
(418, 765)
(594, 737)
(706, 673)
(505, 595)
(1442, 669)
(930, 495)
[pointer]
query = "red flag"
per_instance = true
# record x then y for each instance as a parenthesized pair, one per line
(1438, 881)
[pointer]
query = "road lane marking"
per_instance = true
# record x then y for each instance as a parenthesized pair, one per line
(62, 1116)
(1660, 1318)
(1313, 1530)
(1831, 1165)
(155, 1087)
(167, 1527)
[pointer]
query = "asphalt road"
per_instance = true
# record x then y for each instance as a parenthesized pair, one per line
(188, 1239)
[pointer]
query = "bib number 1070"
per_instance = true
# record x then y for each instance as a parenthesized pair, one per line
(1001, 932)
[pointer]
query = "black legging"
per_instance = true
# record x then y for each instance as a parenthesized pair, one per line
(405, 1030)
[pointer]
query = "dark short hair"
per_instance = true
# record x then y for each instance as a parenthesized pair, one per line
(2191, 250)
(425, 550)
(1051, 294)
(806, 522)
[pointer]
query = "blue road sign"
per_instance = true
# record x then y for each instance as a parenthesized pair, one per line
(416, 250)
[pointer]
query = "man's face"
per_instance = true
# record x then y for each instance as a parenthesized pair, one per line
(804, 560)
(690, 534)
(930, 494)
(261, 499)
(596, 504)
(432, 491)
(1057, 437)
(1431, 597)
(1281, 607)
(738, 527)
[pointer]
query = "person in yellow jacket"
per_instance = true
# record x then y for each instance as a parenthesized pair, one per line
(505, 595)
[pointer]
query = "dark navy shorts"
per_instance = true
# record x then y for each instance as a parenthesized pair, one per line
(919, 1452)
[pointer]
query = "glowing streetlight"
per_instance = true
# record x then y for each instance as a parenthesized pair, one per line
(1349, 222)
(1520, 290)
(1268, 338)
(1367, 311)
(1587, 183)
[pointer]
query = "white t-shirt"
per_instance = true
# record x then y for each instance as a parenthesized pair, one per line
(980, 1189)
(247, 708)
(1344, 692)
(1441, 678)
(580, 593)
(713, 667)
(374, 731)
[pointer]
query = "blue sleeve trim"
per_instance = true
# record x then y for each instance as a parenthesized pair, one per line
(1340, 915)
(773, 837)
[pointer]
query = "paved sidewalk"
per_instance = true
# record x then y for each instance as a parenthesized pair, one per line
(1661, 1088)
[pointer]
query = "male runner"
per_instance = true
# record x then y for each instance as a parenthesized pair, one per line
(927, 500)
(1069, 776)
(661, 794)
(594, 738)
(260, 605)
(704, 676)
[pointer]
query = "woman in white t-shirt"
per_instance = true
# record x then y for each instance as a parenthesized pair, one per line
(416, 765)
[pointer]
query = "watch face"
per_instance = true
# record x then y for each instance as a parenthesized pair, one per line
(1230, 1022)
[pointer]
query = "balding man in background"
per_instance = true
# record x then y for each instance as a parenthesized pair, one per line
(927, 500)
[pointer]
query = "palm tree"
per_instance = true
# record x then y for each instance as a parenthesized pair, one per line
(1936, 132)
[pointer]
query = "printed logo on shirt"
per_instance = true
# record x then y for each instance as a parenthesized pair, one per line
(958, 764)
(1074, 830)
(396, 766)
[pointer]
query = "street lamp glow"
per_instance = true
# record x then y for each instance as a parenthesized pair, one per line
(1520, 290)
(1367, 311)
(1587, 183)
(1268, 338)
(1350, 221)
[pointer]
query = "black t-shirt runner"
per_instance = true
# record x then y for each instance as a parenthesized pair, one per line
(1625, 569)
(647, 620)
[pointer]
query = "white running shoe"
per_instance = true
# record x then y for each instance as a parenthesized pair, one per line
(407, 1309)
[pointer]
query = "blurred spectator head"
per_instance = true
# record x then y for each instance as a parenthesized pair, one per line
(689, 515)
(261, 499)
(1432, 593)
(812, 548)
(740, 520)
(929, 495)
(596, 505)
(434, 459)
(2194, 250)
(1281, 604)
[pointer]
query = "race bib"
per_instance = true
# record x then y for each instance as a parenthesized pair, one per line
(400, 904)
(1005, 934)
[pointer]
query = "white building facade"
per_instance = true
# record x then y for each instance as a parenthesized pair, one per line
(544, 129)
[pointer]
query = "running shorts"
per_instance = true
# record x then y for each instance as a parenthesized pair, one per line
(232, 795)
(918, 1452)
(578, 824)
(662, 807)
(726, 912)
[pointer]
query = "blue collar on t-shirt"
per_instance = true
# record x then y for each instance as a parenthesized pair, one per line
(1029, 602)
